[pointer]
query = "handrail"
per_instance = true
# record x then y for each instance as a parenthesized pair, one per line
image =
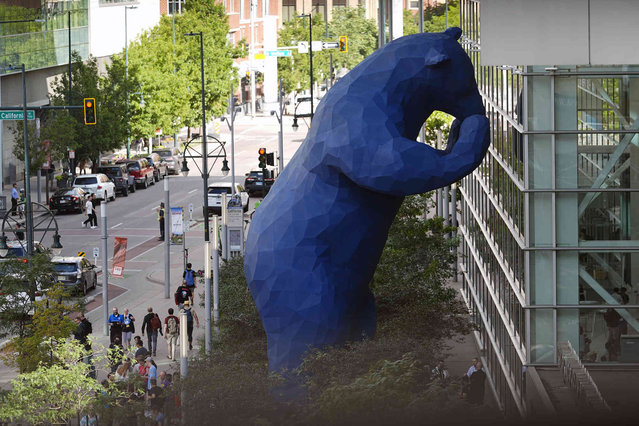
(577, 377)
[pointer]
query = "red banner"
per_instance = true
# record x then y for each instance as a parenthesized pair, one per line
(119, 255)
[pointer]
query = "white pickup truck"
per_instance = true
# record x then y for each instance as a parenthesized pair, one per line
(215, 196)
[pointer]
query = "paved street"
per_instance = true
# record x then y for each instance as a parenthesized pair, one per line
(135, 217)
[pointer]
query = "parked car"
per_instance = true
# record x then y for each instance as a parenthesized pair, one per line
(19, 300)
(159, 166)
(141, 170)
(171, 157)
(259, 182)
(76, 273)
(68, 199)
(98, 184)
(120, 176)
(215, 196)
(18, 248)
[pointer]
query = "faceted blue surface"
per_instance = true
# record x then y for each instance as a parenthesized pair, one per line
(315, 241)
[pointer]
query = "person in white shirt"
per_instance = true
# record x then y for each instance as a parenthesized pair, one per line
(92, 218)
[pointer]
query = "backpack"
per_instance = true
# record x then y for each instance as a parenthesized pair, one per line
(89, 327)
(171, 326)
(189, 315)
(188, 276)
(156, 324)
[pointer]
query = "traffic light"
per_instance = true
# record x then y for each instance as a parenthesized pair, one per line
(343, 44)
(262, 158)
(270, 159)
(89, 111)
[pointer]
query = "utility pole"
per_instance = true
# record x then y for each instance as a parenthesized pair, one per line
(167, 239)
(105, 268)
(281, 135)
(252, 57)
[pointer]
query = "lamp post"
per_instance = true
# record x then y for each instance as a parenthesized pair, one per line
(280, 118)
(230, 122)
(126, 61)
(207, 248)
(310, 53)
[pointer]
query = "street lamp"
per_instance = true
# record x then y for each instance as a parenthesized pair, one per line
(310, 52)
(280, 118)
(126, 61)
(204, 154)
(230, 122)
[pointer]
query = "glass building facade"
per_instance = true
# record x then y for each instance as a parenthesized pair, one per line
(549, 250)
(44, 43)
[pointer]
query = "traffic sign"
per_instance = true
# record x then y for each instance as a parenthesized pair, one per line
(71, 154)
(190, 207)
(279, 53)
(96, 251)
(81, 254)
(259, 56)
(330, 45)
(17, 115)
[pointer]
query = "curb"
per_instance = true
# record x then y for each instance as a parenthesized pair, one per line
(149, 278)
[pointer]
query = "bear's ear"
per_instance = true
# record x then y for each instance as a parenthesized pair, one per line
(434, 58)
(454, 32)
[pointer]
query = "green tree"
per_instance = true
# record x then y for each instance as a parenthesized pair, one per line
(54, 393)
(434, 18)
(169, 76)
(350, 22)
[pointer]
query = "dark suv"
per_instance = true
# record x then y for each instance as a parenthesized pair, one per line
(120, 176)
(257, 182)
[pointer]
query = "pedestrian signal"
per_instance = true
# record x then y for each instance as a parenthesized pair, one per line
(343, 44)
(89, 111)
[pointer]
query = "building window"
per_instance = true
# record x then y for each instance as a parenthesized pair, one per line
(288, 10)
(319, 8)
(414, 5)
(265, 7)
(176, 6)
(339, 3)
(105, 2)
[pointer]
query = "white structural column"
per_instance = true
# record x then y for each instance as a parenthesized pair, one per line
(397, 19)
(270, 63)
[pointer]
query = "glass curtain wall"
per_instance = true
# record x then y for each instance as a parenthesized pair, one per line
(549, 251)
(43, 44)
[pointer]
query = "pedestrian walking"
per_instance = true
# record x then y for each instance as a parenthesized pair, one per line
(92, 219)
(171, 333)
(161, 221)
(14, 199)
(128, 328)
(182, 294)
(190, 314)
(115, 321)
(152, 325)
(477, 385)
(81, 333)
(189, 277)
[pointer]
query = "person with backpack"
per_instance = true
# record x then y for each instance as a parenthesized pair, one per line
(152, 325)
(182, 294)
(171, 333)
(190, 314)
(189, 276)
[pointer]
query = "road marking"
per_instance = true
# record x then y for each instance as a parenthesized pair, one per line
(115, 226)
(192, 191)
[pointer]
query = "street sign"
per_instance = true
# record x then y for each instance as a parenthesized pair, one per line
(71, 154)
(279, 53)
(17, 115)
(302, 46)
(96, 252)
(81, 254)
(316, 46)
(330, 45)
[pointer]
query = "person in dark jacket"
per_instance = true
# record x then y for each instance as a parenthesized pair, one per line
(477, 385)
(152, 325)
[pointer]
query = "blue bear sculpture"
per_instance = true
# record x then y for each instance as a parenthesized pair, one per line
(316, 239)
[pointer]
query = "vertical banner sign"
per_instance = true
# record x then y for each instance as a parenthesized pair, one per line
(119, 255)
(177, 225)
